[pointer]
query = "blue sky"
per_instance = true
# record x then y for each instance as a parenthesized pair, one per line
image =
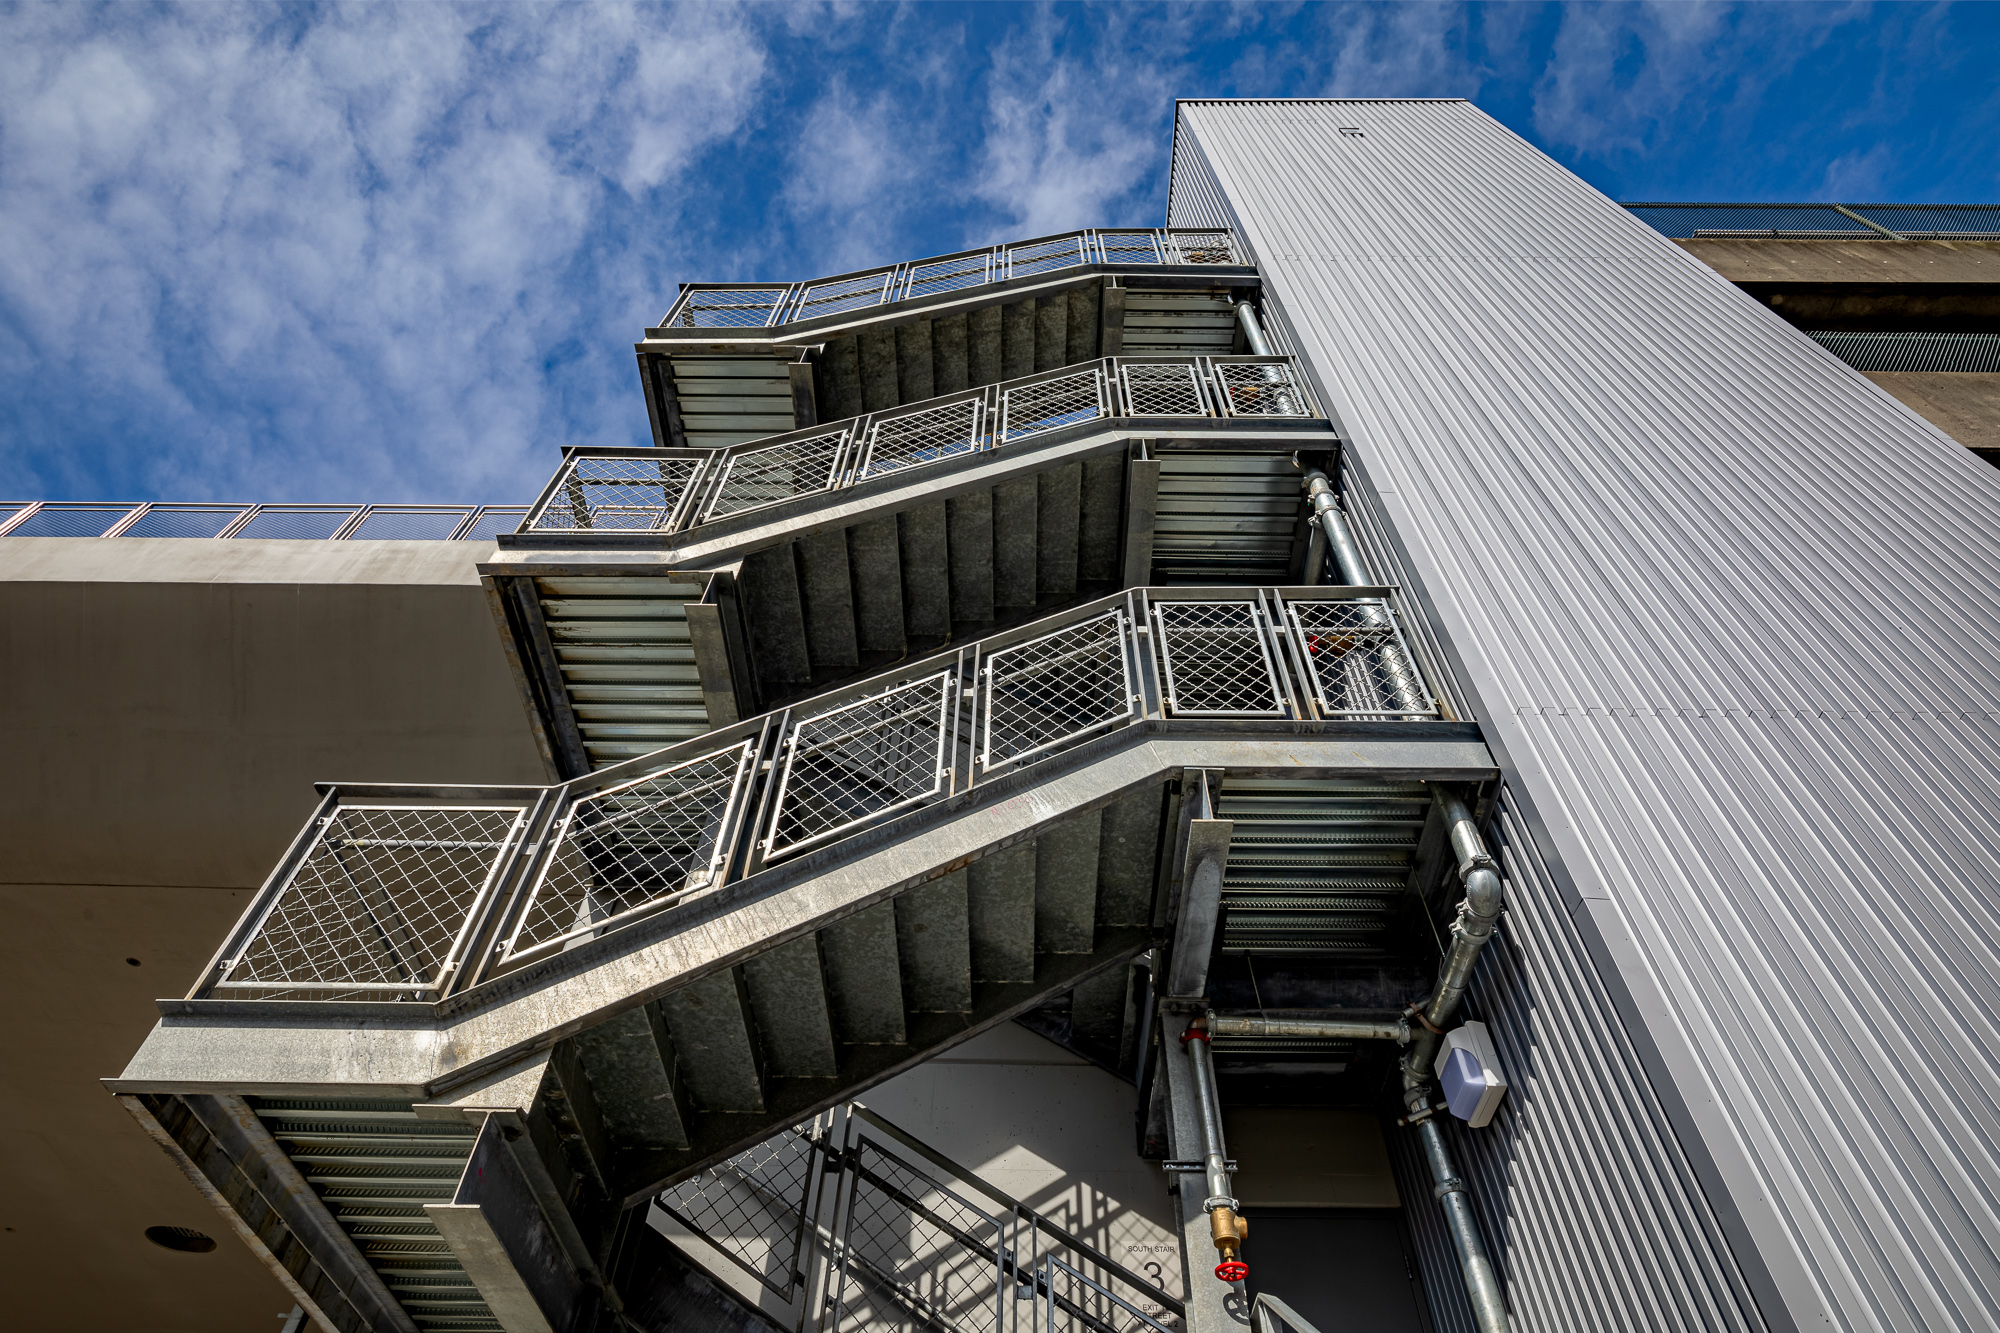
(401, 252)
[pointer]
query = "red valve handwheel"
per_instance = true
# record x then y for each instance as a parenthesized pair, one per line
(1232, 1270)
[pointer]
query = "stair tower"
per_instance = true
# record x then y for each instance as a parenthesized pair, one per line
(979, 638)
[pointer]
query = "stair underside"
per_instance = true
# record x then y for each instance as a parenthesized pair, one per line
(708, 398)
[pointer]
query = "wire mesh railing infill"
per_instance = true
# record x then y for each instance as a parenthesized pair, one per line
(670, 490)
(854, 1224)
(262, 522)
(412, 893)
(755, 305)
(1694, 221)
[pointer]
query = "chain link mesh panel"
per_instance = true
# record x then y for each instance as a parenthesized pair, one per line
(379, 898)
(1361, 666)
(758, 477)
(1069, 1301)
(1130, 247)
(1218, 662)
(1261, 389)
(738, 308)
(1045, 256)
(1163, 390)
(297, 522)
(861, 760)
(1051, 404)
(617, 495)
(830, 298)
(949, 275)
(1203, 247)
(917, 1255)
(922, 437)
(631, 846)
(752, 1207)
(1039, 694)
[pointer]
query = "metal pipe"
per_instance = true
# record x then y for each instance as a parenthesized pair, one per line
(1324, 1029)
(1225, 1226)
(1253, 331)
(1333, 523)
(1482, 1284)
(1397, 669)
(1478, 913)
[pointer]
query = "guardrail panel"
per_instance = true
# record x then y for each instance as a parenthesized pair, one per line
(628, 493)
(1218, 660)
(858, 762)
(635, 848)
(1361, 667)
(929, 436)
(1037, 696)
(753, 478)
(378, 901)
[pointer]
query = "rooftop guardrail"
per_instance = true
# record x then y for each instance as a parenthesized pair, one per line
(763, 305)
(413, 893)
(1822, 221)
(301, 522)
(669, 490)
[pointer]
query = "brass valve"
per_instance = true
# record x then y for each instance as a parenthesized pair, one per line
(1229, 1229)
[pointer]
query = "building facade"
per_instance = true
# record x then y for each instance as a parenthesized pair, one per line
(1403, 629)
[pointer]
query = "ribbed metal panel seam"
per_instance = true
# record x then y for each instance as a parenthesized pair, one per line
(1733, 612)
(1593, 1213)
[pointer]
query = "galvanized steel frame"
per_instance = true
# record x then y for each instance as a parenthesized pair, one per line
(769, 779)
(788, 303)
(855, 1148)
(995, 411)
(357, 516)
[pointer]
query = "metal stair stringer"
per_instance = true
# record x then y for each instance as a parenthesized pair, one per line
(623, 642)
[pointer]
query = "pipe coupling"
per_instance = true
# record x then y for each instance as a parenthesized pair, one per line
(1450, 1185)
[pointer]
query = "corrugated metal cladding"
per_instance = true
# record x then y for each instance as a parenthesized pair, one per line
(1730, 615)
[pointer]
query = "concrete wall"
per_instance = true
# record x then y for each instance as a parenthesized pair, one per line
(1891, 286)
(1964, 406)
(168, 706)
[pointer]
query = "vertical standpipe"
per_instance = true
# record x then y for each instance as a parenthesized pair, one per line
(1478, 913)
(1225, 1226)
(1399, 672)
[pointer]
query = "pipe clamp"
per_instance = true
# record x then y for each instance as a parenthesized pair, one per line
(1449, 1185)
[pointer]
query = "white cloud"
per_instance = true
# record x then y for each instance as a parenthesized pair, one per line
(330, 259)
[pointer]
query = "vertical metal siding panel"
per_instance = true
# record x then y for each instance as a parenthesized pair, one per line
(1591, 1209)
(1730, 614)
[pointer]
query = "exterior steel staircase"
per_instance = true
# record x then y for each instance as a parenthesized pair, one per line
(790, 564)
(464, 1037)
(736, 361)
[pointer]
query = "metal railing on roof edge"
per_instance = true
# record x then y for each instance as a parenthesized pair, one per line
(216, 521)
(1719, 221)
(414, 893)
(762, 305)
(651, 490)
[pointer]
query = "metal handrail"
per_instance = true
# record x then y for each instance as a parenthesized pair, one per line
(960, 1253)
(544, 869)
(341, 522)
(763, 305)
(1272, 1315)
(672, 490)
(1829, 221)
